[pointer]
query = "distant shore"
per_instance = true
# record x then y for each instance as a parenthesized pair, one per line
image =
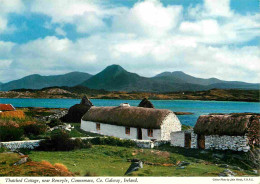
(71, 93)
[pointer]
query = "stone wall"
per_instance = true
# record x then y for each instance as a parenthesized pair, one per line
(194, 138)
(225, 142)
(15, 145)
(235, 143)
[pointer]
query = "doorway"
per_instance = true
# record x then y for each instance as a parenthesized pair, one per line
(201, 141)
(188, 140)
(139, 133)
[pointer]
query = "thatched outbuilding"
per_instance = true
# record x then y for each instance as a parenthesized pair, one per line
(131, 122)
(236, 131)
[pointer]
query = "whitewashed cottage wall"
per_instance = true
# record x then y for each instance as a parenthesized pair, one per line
(178, 139)
(156, 134)
(118, 131)
(170, 124)
(109, 130)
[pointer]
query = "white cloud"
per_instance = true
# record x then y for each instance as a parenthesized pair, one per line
(211, 8)
(218, 8)
(6, 7)
(60, 31)
(87, 16)
(147, 38)
(148, 17)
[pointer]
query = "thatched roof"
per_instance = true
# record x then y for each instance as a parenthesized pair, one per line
(225, 124)
(128, 116)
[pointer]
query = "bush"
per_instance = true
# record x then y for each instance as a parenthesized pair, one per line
(10, 133)
(34, 129)
(13, 114)
(113, 141)
(60, 140)
(54, 122)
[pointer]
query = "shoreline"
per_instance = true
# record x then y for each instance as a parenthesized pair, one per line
(71, 93)
(161, 99)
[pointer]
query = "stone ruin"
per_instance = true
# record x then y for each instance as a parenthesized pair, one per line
(76, 112)
(146, 103)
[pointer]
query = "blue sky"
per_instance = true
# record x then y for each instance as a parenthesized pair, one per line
(204, 38)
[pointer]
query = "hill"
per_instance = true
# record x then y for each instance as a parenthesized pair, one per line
(211, 83)
(38, 82)
(116, 78)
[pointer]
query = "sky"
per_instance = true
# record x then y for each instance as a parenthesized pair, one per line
(203, 38)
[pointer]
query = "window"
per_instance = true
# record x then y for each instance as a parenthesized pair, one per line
(98, 126)
(127, 130)
(150, 132)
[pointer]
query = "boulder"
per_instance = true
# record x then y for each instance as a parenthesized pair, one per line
(146, 103)
(76, 112)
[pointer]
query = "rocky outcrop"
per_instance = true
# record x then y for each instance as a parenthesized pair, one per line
(76, 112)
(146, 103)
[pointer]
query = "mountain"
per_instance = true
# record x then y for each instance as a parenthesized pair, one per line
(181, 77)
(36, 81)
(116, 78)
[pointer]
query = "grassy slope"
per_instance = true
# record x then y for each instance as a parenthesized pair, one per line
(30, 168)
(112, 161)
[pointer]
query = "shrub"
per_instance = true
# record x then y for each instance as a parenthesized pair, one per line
(55, 122)
(113, 141)
(8, 133)
(61, 167)
(8, 123)
(13, 114)
(34, 129)
(60, 140)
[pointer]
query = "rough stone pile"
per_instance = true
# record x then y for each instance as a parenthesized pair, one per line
(76, 112)
(65, 126)
(146, 103)
(57, 115)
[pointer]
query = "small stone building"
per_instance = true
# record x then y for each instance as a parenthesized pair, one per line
(131, 122)
(237, 132)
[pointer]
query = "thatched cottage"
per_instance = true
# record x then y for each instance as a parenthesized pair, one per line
(235, 132)
(131, 122)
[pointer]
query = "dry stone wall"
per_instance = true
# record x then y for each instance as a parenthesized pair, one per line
(15, 145)
(235, 143)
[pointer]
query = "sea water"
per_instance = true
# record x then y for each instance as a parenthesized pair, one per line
(194, 106)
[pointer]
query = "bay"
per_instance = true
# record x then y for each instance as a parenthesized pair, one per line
(193, 106)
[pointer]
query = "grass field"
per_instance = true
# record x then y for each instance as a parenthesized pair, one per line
(104, 160)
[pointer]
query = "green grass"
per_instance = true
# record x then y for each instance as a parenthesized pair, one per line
(112, 161)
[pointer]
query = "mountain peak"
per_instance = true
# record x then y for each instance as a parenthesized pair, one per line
(115, 67)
